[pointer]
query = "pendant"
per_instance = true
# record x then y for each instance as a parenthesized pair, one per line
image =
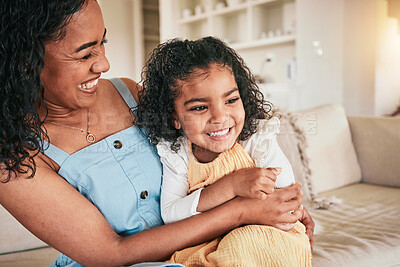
(90, 138)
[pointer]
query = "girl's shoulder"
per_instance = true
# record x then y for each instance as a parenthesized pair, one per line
(266, 129)
(269, 127)
(173, 157)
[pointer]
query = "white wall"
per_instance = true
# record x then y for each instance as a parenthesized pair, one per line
(319, 76)
(122, 19)
(387, 87)
(359, 56)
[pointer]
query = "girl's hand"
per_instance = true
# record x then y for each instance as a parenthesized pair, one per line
(275, 209)
(254, 182)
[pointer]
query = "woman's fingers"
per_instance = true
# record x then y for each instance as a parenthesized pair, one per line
(292, 192)
(309, 224)
(285, 226)
(282, 206)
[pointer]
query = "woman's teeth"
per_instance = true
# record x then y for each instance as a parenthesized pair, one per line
(219, 133)
(88, 85)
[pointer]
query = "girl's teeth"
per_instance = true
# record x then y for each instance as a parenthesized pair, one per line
(219, 133)
(88, 85)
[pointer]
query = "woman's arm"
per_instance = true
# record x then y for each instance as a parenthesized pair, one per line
(59, 215)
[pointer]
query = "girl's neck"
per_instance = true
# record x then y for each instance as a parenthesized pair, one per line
(203, 155)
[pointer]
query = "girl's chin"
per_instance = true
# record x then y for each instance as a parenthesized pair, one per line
(221, 148)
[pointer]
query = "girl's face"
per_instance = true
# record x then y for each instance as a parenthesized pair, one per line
(210, 111)
(73, 65)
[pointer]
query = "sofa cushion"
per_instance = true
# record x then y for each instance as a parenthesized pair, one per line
(31, 258)
(330, 150)
(363, 231)
(291, 140)
(14, 236)
(377, 142)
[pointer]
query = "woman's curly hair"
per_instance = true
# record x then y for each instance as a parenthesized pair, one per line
(26, 26)
(176, 60)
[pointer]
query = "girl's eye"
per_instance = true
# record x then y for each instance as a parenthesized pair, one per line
(87, 56)
(198, 108)
(233, 100)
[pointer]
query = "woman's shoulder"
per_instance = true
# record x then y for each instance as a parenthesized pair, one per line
(133, 86)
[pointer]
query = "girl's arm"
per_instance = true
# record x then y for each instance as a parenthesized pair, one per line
(264, 149)
(176, 204)
(59, 215)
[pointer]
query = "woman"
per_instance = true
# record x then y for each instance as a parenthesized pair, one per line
(91, 188)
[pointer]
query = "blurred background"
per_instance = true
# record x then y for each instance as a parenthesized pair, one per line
(304, 53)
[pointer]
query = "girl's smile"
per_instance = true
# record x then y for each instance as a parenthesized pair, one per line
(210, 111)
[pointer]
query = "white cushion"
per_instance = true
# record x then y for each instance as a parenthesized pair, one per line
(333, 160)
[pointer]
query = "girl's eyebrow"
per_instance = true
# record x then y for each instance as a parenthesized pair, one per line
(231, 92)
(195, 100)
(203, 99)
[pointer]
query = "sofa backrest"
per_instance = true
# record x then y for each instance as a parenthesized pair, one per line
(14, 237)
(318, 144)
(377, 142)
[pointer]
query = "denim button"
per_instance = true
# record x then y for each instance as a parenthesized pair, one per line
(144, 194)
(117, 144)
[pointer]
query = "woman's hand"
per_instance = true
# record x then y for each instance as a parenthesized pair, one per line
(254, 182)
(275, 210)
(308, 222)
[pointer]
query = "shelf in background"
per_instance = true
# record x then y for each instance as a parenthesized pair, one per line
(261, 2)
(264, 42)
(193, 18)
(152, 38)
(150, 7)
(230, 9)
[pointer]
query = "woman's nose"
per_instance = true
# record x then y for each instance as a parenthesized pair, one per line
(101, 64)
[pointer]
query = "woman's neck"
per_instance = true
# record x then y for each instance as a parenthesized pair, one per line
(55, 112)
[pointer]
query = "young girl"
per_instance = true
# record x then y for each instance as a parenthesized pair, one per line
(202, 108)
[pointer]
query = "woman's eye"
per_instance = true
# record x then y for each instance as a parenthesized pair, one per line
(198, 108)
(233, 100)
(87, 56)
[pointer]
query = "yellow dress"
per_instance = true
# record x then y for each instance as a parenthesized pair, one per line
(251, 245)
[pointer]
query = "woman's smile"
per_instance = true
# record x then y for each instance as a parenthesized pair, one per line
(89, 87)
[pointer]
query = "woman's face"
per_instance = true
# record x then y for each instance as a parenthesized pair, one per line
(73, 65)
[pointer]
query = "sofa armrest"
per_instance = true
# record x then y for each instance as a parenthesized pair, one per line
(377, 144)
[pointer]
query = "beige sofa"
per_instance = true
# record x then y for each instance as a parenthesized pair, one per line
(350, 171)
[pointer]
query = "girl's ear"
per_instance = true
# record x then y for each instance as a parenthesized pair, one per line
(177, 124)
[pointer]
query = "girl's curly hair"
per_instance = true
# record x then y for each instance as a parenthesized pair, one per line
(26, 26)
(176, 60)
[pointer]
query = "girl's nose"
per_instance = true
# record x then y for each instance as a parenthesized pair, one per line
(218, 115)
(101, 64)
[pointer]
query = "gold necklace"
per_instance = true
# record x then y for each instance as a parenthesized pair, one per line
(89, 136)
